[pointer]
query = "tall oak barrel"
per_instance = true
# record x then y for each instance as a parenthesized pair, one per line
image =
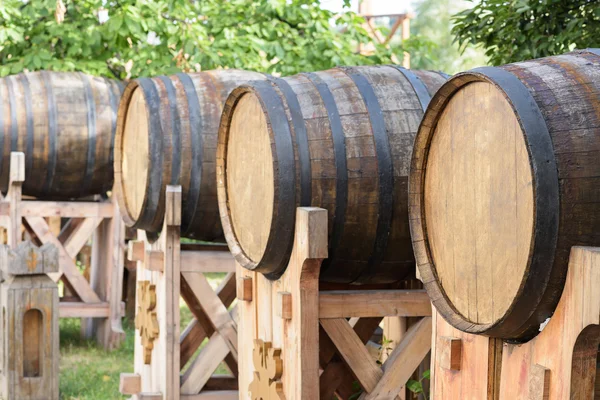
(339, 139)
(167, 135)
(505, 179)
(65, 124)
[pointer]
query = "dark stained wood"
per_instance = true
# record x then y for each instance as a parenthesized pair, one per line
(340, 139)
(65, 124)
(557, 103)
(181, 116)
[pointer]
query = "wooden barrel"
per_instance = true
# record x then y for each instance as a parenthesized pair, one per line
(167, 135)
(505, 179)
(64, 123)
(339, 139)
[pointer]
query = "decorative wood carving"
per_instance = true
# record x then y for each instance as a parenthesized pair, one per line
(268, 370)
(145, 320)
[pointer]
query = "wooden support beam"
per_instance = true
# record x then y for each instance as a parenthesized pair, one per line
(66, 209)
(244, 288)
(352, 349)
(130, 384)
(284, 305)
(194, 334)
(207, 261)
(154, 260)
(213, 308)
(403, 361)
(221, 382)
(82, 287)
(539, 383)
(208, 395)
(198, 374)
(80, 235)
(450, 349)
(74, 309)
(136, 250)
(367, 303)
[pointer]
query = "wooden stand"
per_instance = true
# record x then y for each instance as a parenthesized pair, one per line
(297, 341)
(100, 298)
(29, 346)
(558, 364)
(167, 270)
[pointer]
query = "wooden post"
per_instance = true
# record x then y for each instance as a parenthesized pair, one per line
(559, 363)
(100, 298)
(29, 347)
(165, 274)
(299, 330)
(106, 279)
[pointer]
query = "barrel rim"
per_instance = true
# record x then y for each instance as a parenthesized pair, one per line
(281, 236)
(118, 188)
(545, 183)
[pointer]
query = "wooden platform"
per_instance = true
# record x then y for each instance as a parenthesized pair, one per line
(98, 300)
(299, 342)
(558, 364)
(168, 362)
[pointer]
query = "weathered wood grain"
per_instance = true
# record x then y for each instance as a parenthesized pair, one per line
(65, 124)
(504, 181)
(339, 139)
(167, 135)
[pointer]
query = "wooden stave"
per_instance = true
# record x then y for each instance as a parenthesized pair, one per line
(203, 108)
(279, 242)
(537, 116)
(35, 99)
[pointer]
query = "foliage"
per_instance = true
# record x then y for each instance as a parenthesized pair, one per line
(432, 45)
(518, 30)
(145, 37)
(417, 386)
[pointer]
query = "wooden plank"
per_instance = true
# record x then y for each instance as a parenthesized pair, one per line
(204, 247)
(207, 261)
(244, 288)
(369, 303)
(83, 289)
(196, 376)
(84, 310)
(450, 349)
(539, 384)
(80, 236)
(337, 377)
(568, 344)
(154, 260)
(170, 291)
(403, 361)
(214, 395)
(283, 306)
(208, 395)
(67, 209)
(136, 250)
(16, 178)
(353, 351)
(213, 308)
(480, 365)
(130, 383)
(194, 334)
(221, 382)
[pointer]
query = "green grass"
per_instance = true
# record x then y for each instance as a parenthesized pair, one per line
(87, 372)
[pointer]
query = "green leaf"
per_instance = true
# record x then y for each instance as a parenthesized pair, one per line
(414, 386)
